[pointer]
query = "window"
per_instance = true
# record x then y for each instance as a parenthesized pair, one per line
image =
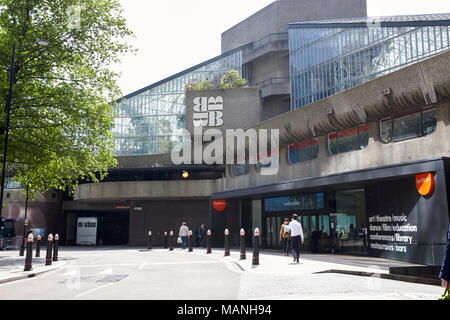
(239, 169)
(408, 126)
(349, 139)
(12, 184)
(260, 164)
(307, 201)
(303, 151)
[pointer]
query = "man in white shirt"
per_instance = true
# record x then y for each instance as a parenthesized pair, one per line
(184, 231)
(296, 237)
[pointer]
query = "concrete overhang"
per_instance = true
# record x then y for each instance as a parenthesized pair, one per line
(266, 45)
(339, 181)
(148, 190)
(275, 87)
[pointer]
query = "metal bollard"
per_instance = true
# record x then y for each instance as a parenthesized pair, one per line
(208, 242)
(165, 240)
(227, 245)
(256, 248)
(55, 247)
(171, 241)
(190, 241)
(149, 240)
(48, 258)
(38, 246)
(242, 243)
(22, 248)
(29, 256)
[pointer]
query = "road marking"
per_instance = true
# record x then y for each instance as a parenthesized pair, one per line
(106, 271)
(142, 265)
(95, 289)
(146, 264)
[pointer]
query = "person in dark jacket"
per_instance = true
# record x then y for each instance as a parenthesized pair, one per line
(201, 236)
(315, 236)
(445, 270)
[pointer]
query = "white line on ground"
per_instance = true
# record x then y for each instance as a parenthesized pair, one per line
(145, 263)
(95, 289)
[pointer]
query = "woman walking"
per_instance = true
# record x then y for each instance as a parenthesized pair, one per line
(285, 235)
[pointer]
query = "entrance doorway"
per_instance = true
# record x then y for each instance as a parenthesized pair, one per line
(113, 230)
(348, 218)
(272, 231)
(112, 227)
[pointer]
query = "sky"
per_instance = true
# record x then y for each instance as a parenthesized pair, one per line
(174, 35)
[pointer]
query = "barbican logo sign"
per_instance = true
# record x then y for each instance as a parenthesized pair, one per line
(425, 183)
(208, 112)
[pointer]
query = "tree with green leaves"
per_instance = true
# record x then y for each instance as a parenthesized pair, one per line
(195, 85)
(232, 79)
(61, 111)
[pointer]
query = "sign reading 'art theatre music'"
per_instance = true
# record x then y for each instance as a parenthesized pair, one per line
(208, 112)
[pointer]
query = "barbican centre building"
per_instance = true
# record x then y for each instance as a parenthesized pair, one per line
(362, 108)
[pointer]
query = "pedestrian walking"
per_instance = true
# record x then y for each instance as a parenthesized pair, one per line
(184, 232)
(445, 270)
(285, 237)
(315, 236)
(201, 236)
(296, 237)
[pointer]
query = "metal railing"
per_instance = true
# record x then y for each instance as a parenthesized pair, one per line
(284, 36)
(276, 80)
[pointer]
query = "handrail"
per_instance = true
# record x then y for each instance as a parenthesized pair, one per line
(282, 36)
(275, 80)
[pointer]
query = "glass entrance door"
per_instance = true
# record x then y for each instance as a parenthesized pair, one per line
(272, 231)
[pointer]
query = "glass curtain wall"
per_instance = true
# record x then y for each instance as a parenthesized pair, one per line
(326, 60)
(152, 121)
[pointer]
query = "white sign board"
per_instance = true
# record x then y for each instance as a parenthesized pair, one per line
(87, 231)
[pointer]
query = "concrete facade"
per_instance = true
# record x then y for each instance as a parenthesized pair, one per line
(149, 190)
(44, 211)
(266, 51)
(241, 107)
(368, 103)
(275, 18)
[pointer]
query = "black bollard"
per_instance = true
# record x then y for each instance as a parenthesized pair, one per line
(165, 240)
(227, 245)
(190, 241)
(256, 248)
(208, 242)
(171, 241)
(29, 256)
(38, 246)
(55, 247)
(22, 247)
(149, 240)
(242, 243)
(48, 258)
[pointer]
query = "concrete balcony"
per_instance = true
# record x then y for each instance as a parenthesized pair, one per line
(271, 43)
(275, 86)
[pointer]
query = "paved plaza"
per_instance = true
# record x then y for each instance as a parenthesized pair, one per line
(131, 273)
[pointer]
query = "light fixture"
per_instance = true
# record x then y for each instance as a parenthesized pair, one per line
(185, 174)
(42, 42)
